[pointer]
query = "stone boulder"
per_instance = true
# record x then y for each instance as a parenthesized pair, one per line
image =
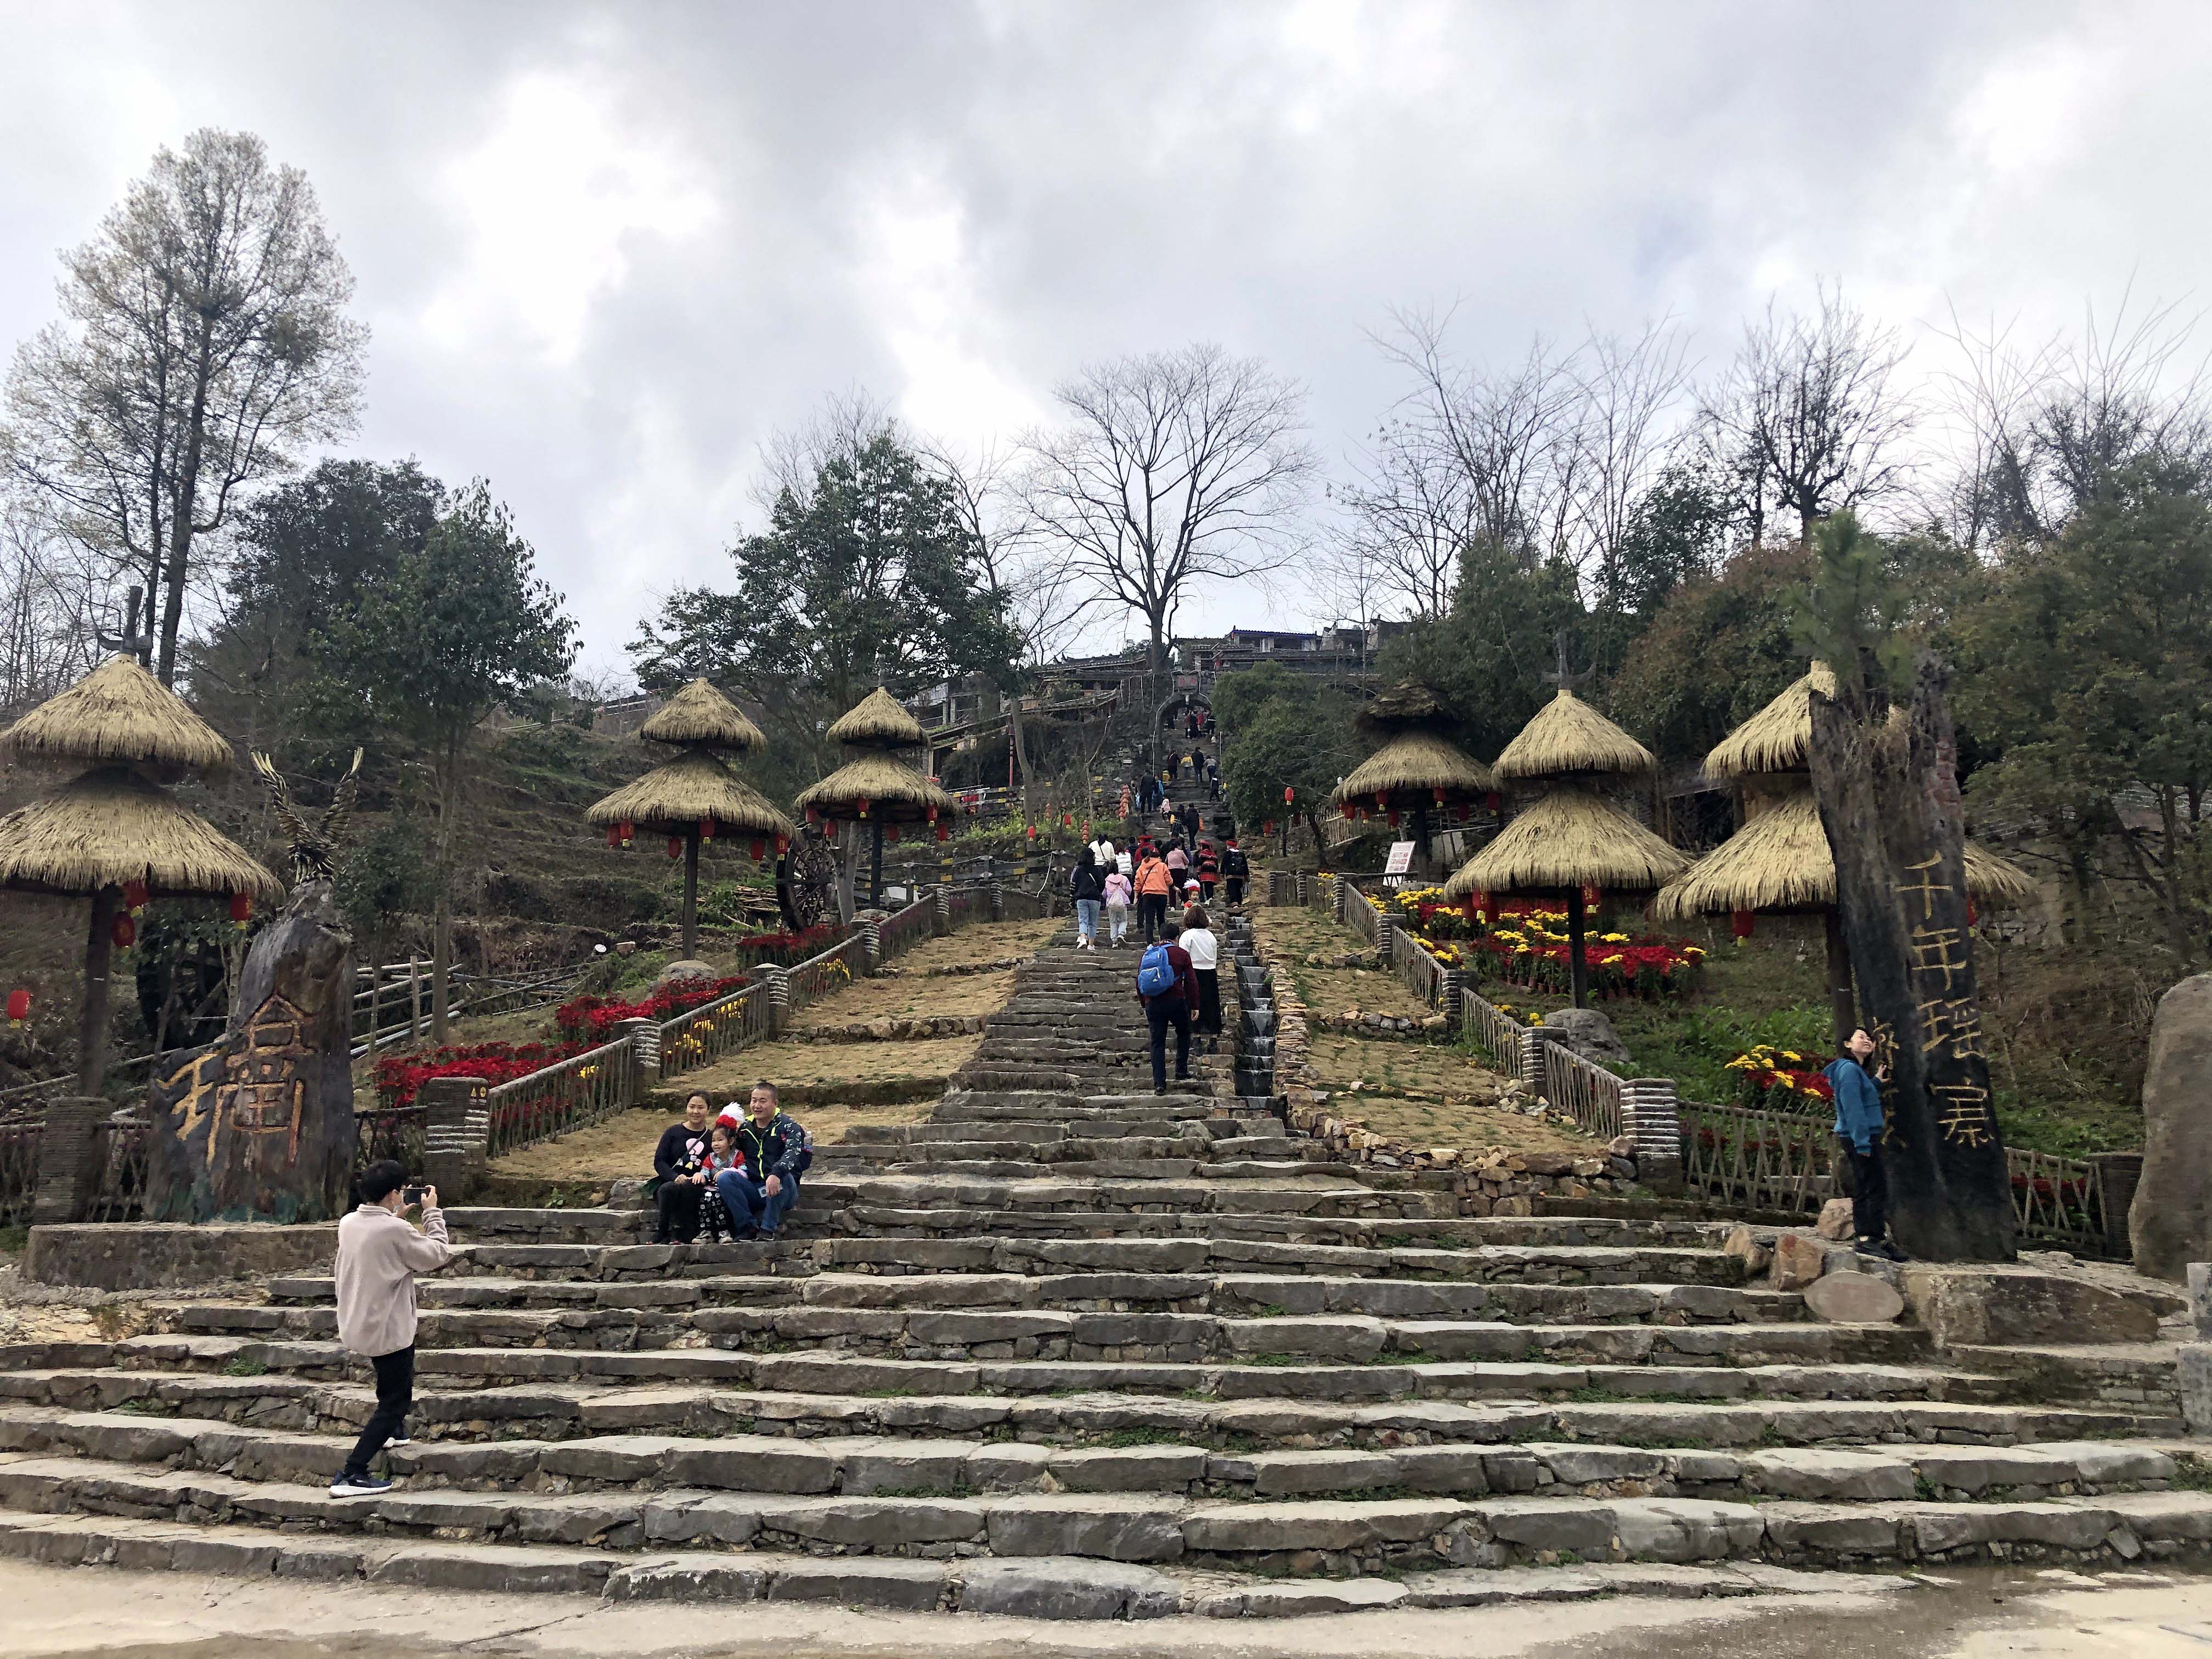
(1799, 1259)
(1837, 1221)
(2170, 1224)
(1586, 1032)
(2007, 1306)
(688, 968)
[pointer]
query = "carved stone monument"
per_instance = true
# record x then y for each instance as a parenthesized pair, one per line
(259, 1127)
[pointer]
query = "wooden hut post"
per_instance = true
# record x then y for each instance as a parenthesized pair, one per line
(1841, 1006)
(1577, 964)
(92, 1020)
(691, 892)
(876, 865)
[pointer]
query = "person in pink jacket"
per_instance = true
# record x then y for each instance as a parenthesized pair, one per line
(1118, 895)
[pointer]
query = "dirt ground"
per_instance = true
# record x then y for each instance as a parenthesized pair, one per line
(981, 941)
(1296, 933)
(908, 996)
(830, 1062)
(1427, 1095)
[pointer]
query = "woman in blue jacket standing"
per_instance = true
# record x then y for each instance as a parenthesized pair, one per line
(1858, 1126)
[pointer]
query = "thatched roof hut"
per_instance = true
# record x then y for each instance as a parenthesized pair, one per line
(1566, 840)
(700, 715)
(1568, 738)
(877, 721)
(693, 789)
(1408, 706)
(113, 826)
(119, 712)
(877, 789)
(1780, 862)
(1778, 737)
(1413, 770)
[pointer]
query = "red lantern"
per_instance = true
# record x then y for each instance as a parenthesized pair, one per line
(1289, 794)
(1458, 813)
(614, 835)
(1494, 801)
(758, 849)
(19, 1007)
(811, 816)
(1268, 827)
(863, 804)
(783, 843)
(1437, 794)
(1350, 810)
(241, 908)
(134, 896)
(890, 833)
(942, 834)
(1394, 820)
(124, 931)
(1033, 832)
(705, 828)
(1382, 798)
(675, 847)
(1740, 923)
(1067, 820)
(1592, 898)
(1973, 913)
(932, 815)
(629, 832)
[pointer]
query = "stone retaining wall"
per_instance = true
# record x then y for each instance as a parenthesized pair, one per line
(164, 1255)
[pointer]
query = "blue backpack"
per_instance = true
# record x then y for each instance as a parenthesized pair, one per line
(1156, 974)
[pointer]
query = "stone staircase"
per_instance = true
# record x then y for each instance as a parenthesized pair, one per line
(1071, 1349)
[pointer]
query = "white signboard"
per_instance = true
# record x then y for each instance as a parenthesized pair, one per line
(1400, 861)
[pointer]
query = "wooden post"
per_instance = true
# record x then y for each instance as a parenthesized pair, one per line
(92, 1021)
(1896, 826)
(414, 998)
(875, 865)
(691, 892)
(1578, 964)
(375, 985)
(1841, 1007)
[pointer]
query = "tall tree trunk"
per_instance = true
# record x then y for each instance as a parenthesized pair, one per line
(692, 894)
(1896, 826)
(1577, 955)
(1021, 741)
(92, 1018)
(441, 924)
(1842, 1010)
(184, 499)
(876, 865)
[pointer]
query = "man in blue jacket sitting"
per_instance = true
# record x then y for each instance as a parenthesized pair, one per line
(1858, 1126)
(773, 1153)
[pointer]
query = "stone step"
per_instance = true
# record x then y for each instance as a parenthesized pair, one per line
(1037, 1587)
(848, 1464)
(1328, 1192)
(1335, 1536)
(559, 1410)
(1269, 1375)
(1245, 1295)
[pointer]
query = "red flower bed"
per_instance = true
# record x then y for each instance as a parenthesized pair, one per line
(593, 1019)
(1779, 1078)
(400, 1078)
(786, 947)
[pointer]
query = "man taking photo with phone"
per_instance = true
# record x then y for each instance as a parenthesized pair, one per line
(379, 1253)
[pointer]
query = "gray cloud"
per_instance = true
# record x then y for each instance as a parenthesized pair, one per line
(605, 251)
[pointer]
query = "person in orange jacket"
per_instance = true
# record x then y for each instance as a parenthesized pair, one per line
(1155, 881)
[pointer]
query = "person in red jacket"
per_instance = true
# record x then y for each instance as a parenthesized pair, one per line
(1176, 1005)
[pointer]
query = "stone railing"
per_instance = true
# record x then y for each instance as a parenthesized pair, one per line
(820, 977)
(703, 1035)
(901, 933)
(557, 1099)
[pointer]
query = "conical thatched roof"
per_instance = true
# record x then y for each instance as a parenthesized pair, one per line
(1568, 736)
(1780, 862)
(672, 800)
(1994, 881)
(877, 721)
(111, 827)
(1779, 737)
(703, 716)
(119, 712)
(895, 794)
(1568, 837)
(1410, 769)
(1404, 707)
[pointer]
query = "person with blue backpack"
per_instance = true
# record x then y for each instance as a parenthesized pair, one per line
(1168, 988)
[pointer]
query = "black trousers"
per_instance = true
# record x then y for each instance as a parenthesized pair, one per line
(1209, 1000)
(1235, 884)
(395, 1398)
(1151, 915)
(1160, 1013)
(678, 1202)
(1870, 1190)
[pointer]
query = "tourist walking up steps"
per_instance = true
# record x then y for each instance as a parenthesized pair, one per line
(1235, 869)
(1153, 883)
(1169, 991)
(1858, 1127)
(379, 1255)
(1088, 887)
(1119, 892)
(1204, 950)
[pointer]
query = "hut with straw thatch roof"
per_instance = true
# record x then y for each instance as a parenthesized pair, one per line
(1418, 772)
(696, 798)
(114, 834)
(874, 786)
(1570, 842)
(1780, 862)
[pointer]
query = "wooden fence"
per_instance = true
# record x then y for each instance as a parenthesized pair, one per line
(902, 933)
(1583, 1091)
(1500, 1034)
(831, 971)
(703, 1035)
(559, 1099)
(1424, 976)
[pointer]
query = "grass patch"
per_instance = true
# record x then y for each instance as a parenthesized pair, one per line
(151, 1408)
(14, 1241)
(2190, 1475)
(245, 1368)
(1129, 1439)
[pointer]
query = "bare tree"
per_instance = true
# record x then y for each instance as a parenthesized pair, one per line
(1413, 508)
(1174, 468)
(1806, 418)
(2040, 431)
(206, 344)
(48, 621)
(846, 422)
(1630, 416)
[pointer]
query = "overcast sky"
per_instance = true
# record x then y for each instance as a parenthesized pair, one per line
(605, 250)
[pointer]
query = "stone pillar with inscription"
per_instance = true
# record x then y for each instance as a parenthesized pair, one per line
(259, 1127)
(1888, 795)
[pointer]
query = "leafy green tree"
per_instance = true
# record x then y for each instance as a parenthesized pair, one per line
(873, 576)
(456, 626)
(1677, 533)
(2089, 676)
(1284, 733)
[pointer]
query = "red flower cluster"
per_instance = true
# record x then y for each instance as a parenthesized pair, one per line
(400, 1077)
(786, 947)
(594, 1018)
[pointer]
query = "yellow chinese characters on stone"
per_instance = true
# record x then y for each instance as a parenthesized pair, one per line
(1962, 1113)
